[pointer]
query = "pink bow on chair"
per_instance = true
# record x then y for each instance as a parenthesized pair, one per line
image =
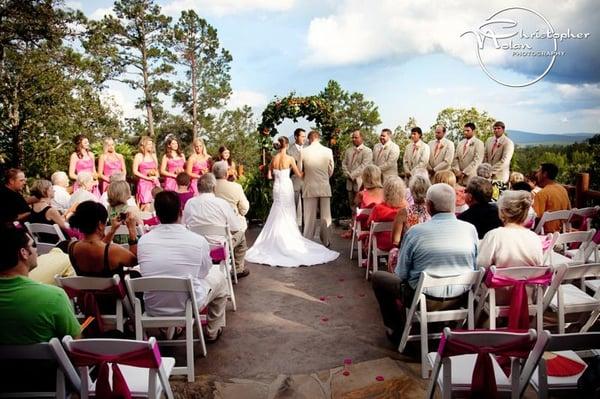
(483, 381)
(518, 316)
(145, 357)
(89, 304)
(218, 254)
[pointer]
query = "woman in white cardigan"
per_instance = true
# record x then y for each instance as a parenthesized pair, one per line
(512, 244)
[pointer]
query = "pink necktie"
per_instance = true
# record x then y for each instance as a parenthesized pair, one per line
(437, 148)
(414, 148)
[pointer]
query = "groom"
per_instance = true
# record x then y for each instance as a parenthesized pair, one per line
(317, 164)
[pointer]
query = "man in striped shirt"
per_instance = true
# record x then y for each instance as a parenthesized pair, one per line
(443, 246)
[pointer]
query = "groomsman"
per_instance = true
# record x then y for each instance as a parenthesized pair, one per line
(468, 155)
(355, 160)
(416, 155)
(386, 154)
(441, 150)
(498, 153)
(295, 151)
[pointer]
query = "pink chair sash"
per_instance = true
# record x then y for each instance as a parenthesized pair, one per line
(483, 381)
(145, 357)
(546, 241)
(218, 254)
(89, 303)
(518, 316)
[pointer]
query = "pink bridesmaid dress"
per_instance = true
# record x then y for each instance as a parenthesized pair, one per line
(110, 168)
(143, 193)
(85, 165)
(172, 165)
(197, 169)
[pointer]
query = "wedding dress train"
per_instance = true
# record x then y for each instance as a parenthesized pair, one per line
(280, 242)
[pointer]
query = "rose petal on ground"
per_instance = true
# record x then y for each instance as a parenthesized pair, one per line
(379, 378)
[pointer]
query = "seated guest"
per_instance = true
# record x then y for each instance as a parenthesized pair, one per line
(55, 262)
(485, 170)
(394, 200)
(531, 179)
(552, 197)
(417, 172)
(94, 256)
(231, 192)
(30, 312)
(372, 192)
(171, 250)
(448, 177)
(481, 213)
(84, 192)
(183, 188)
(511, 245)
(207, 209)
(14, 207)
(515, 177)
(408, 217)
(524, 186)
(43, 211)
(119, 195)
(119, 176)
(60, 184)
(443, 246)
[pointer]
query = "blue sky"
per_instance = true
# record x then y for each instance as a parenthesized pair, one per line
(406, 56)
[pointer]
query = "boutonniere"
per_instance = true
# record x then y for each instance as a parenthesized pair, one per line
(471, 144)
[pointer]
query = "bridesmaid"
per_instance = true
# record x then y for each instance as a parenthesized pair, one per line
(82, 160)
(225, 155)
(145, 168)
(172, 163)
(109, 163)
(198, 163)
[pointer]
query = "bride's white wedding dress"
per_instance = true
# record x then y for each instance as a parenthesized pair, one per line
(280, 242)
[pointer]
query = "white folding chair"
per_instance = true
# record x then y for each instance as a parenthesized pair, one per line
(219, 231)
(569, 346)
(540, 299)
(188, 318)
(571, 299)
(583, 214)
(563, 216)
(579, 255)
(471, 280)
(35, 229)
(454, 373)
(373, 252)
(77, 286)
(142, 381)
(549, 248)
(357, 231)
(48, 354)
(228, 265)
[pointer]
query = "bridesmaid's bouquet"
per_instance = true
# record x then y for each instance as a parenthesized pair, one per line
(152, 173)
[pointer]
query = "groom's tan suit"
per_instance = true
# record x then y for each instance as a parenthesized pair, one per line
(317, 163)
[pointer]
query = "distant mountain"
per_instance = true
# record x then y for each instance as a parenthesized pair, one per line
(527, 138)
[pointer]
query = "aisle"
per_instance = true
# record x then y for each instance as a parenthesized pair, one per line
(298, 321)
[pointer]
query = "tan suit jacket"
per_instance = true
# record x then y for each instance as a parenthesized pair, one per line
(233, 193)
(443, 159)
(297, 155)
(386, 157)
(355, 160)
(467, 158)
(498, 154)
(317, 164)
(415, 158)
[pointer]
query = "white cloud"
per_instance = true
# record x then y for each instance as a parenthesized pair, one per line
(100, 13)
(362, 32)
(575, 92)
(564, 119)
(251, 98)
(120, 102)
(74, 5)
(226, 7)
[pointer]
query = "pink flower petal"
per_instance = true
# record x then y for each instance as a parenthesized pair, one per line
(346, 373)
(341, 279)
(323, 298)
(379, 378)
(340, 296)
(324, 319)
(347, 361)
(361, 294)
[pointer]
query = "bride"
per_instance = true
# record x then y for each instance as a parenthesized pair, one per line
(280, 242)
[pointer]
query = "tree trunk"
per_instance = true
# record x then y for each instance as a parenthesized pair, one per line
(14, 116)
(147, 94)
(194, 104)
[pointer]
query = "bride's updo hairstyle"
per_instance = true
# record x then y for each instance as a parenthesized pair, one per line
(281, 142)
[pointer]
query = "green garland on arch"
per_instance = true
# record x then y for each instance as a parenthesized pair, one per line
(313, 108)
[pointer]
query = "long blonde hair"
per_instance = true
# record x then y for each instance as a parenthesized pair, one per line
(142, 146)
(198, 140)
